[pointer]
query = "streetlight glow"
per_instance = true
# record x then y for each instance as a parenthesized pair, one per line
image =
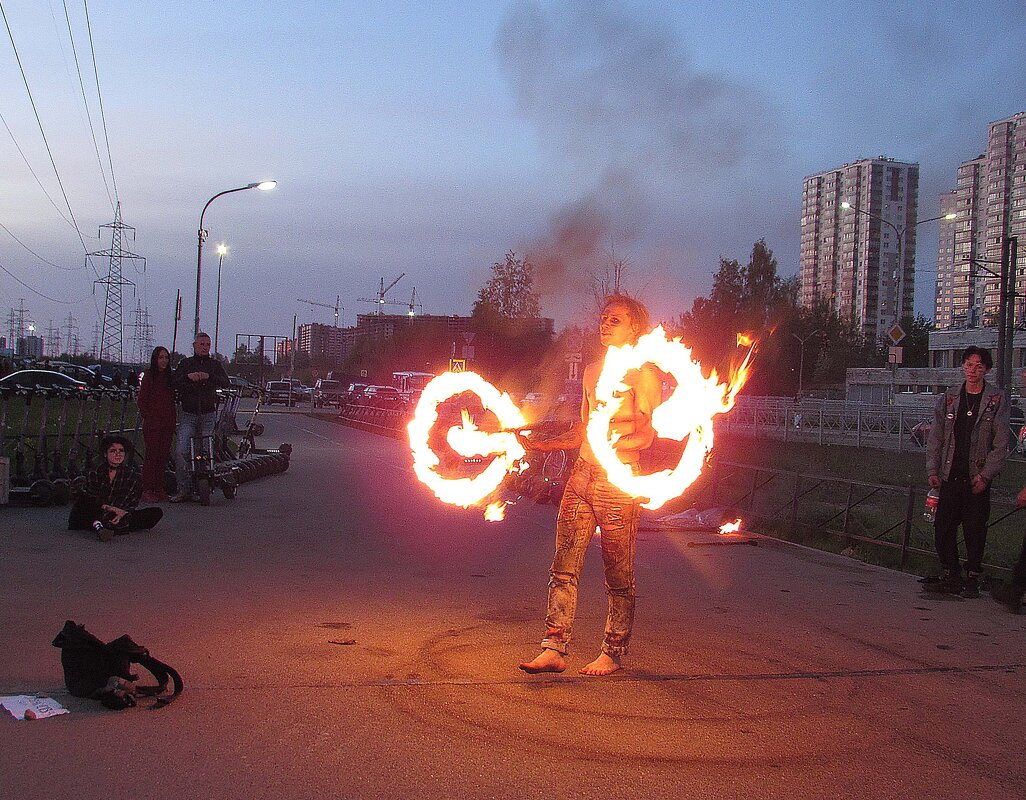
(222, 249)
(263, 186)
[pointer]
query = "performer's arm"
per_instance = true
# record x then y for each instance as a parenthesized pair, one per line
(568, 440)
(647, 394)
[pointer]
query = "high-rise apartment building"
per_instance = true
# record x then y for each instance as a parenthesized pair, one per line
(851, 257)
(989, 202)
(321, 342)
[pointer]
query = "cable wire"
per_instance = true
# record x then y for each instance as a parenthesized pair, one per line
(99, 96)
(24, 158)
(33, 252)
(42, 132)
(85, 102)
(36, 291)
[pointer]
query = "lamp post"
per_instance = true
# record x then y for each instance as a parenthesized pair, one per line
(263, 186)
(900, 233)
(221, 250)
(801, 357)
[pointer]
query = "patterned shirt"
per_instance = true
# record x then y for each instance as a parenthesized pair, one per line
(123, 492)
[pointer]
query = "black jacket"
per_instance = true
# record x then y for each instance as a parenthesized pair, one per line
(199, 397)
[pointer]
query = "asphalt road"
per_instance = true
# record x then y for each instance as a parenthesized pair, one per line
(756, 672)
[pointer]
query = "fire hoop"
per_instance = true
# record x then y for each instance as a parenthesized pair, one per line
(687, 412)
(466, 439)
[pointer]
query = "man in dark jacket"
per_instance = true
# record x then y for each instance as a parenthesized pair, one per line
(966, 450)
(196, 381)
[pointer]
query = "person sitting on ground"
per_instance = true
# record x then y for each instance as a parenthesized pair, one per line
(112, 490)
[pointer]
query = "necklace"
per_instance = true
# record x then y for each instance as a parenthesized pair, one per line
(972, 403)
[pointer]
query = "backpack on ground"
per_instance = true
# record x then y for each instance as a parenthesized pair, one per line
(103, 671)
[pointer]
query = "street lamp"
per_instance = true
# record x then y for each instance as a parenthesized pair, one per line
(900, 233)
(801, 358)
(263, 186)
(221, 250)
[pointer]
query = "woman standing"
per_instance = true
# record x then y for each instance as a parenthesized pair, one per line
(157, 408)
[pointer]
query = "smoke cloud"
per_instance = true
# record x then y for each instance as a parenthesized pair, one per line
(618, 101)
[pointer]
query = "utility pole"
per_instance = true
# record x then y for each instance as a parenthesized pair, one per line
(111, 345)
(1006, 275)
(52, 344)
(178, 318)
(71, 338)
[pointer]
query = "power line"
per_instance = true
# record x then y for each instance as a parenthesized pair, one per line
(85, 102)
(99, 97)
(36, 291)
(33, 252)
(39, 122)
(27, 164)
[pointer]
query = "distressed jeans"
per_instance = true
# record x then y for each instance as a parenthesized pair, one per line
(591, 500)
(189, 425)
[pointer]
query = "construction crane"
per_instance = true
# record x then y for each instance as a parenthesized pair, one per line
(380, 300)
(414, 305)
(336, 308)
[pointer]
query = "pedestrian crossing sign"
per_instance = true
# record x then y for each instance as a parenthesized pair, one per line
(457, 365)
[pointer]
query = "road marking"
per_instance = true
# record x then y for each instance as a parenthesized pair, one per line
(319, 436)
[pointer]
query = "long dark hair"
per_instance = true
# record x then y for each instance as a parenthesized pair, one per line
(154, 369)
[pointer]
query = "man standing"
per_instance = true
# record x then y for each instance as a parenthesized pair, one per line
(196, 381)
(1011, 594)
(591, 500)
(966, 450)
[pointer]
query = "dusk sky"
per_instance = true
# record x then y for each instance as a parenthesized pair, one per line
(431, 138)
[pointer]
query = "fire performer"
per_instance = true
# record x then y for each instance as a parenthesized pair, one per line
(590, 500)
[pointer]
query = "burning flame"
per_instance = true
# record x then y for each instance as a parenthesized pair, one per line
(730, 527)
(687, 412)
(465, 439)
(496, 512)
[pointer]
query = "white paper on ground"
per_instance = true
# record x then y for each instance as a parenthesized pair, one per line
(40, 707)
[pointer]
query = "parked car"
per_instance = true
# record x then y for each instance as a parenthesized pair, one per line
(326, 393)
(384, 397)
(354, 393)
(277, 392)
(40, 379)
(80, 373)
(299, 391)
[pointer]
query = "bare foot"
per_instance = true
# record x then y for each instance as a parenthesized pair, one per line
(603, 665)
(546, 661)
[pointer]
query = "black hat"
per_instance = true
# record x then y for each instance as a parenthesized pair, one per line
(115, 438)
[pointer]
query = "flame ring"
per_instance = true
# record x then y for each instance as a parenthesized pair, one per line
(504, 446)
(688, 411)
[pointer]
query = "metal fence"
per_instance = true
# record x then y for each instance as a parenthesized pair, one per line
(837, 423)
(878, 515)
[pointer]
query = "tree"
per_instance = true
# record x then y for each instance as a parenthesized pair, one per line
(510, 336)
(916, 344)
(509, 293)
